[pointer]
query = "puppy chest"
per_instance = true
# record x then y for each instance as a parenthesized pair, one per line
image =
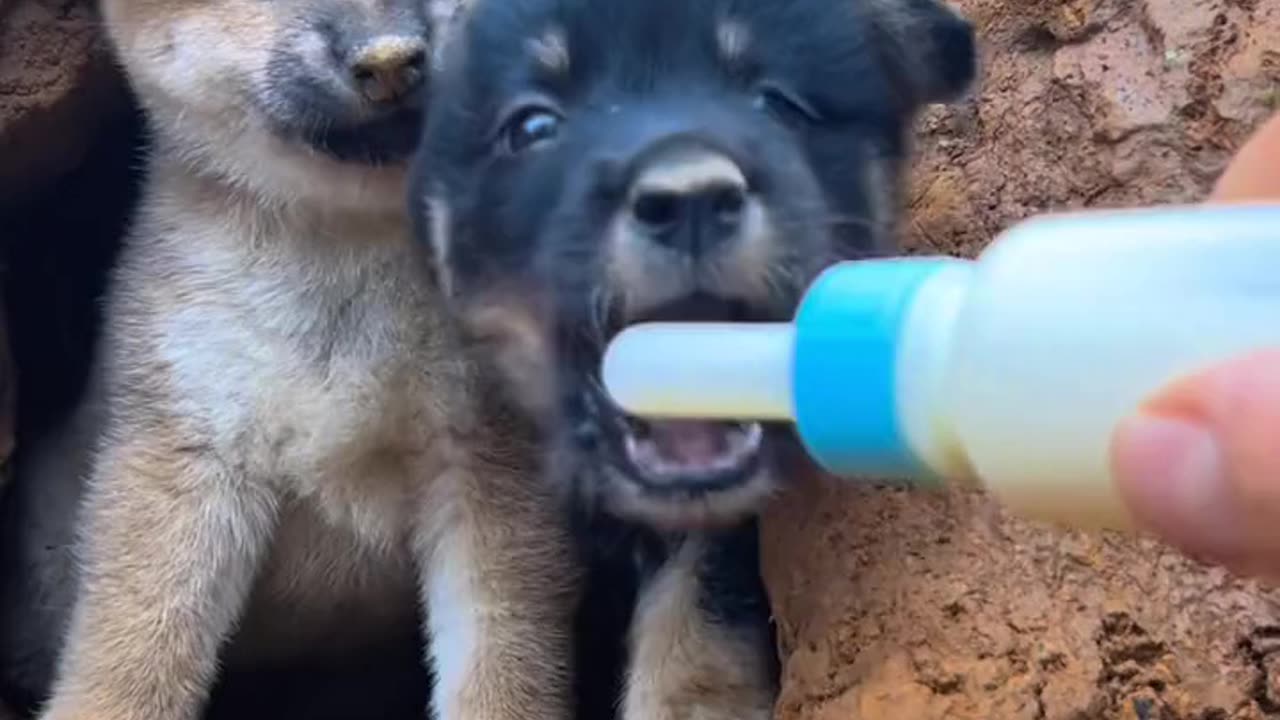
(372, 419)
(314, 398)
(325, 589)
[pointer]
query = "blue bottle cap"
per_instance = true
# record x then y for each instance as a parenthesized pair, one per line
(848, 331)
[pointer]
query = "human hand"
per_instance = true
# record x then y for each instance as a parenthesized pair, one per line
(1199, 464)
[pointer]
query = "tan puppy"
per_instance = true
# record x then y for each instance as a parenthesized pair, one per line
(288, 443)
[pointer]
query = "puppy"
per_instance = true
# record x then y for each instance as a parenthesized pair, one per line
(287, 453)
(589, 164)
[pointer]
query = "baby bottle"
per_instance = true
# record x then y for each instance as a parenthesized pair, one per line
(1010, 371)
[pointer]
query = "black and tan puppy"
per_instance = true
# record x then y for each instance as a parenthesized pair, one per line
(595, 163)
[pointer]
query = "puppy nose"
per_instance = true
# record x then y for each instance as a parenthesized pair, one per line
(689, 200)
(388, 68)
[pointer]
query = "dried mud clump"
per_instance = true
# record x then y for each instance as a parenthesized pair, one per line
(901, 604)
(57, 86)
(1093, 102)
(914, 605)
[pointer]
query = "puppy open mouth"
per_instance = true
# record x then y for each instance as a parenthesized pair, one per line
(692, 454)
(687, 456)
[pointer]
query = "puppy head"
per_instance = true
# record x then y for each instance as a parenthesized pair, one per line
(295, 99)
(590, 164)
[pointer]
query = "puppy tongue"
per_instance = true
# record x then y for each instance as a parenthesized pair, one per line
(689, 442)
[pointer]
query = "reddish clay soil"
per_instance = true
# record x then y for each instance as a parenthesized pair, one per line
(915, 605)
(57, 86)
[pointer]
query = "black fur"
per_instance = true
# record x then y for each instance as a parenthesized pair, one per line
(620, 558)
(816, 111)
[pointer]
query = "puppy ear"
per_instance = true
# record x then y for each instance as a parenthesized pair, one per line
(930, 47)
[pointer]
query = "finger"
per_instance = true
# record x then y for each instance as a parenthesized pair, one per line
(1200, 463)
(1254, 172)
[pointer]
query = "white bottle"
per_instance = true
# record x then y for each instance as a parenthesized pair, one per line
(1010, 371)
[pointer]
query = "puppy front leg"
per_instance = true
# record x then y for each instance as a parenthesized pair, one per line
(169, 544)
(699, 639)
(499, 584)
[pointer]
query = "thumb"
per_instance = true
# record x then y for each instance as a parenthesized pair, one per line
(1200, 463)
(1253, 175)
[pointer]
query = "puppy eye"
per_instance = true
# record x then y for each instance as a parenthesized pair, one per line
(785, 105)
(528, 127)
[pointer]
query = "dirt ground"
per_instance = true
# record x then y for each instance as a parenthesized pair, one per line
(914, 605)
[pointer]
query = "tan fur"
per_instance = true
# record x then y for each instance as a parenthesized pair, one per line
(645, 274)
(732, 40)
(190, 64)
(293, 453)
(551, 52)
(507, 324)
(683, 665)
(689, 172)
(438, 214)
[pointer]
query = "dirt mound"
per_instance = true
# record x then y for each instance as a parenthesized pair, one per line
(918, 606)
(57, 85)
(895, 604)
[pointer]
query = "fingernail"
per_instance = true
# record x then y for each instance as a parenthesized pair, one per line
(1171, 473)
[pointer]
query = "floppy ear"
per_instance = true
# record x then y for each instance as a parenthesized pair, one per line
(929, 46)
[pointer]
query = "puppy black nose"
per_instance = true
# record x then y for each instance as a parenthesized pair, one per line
(689, 199)
(387, 68)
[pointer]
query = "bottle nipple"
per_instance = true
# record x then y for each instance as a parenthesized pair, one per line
(702, 370)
